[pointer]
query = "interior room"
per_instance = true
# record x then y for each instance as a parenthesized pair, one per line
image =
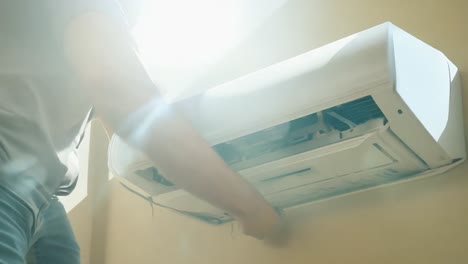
(421, 221)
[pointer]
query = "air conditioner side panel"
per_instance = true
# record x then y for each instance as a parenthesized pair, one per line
(453, 137)
(422, 81)
(423, 107)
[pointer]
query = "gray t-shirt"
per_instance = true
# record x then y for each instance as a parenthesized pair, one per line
(42, 111)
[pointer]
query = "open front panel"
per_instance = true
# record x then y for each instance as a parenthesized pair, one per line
(339, 150)
(372, 160)
(339, 160)
(367, 161)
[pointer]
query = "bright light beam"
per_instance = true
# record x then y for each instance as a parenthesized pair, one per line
(179, 40)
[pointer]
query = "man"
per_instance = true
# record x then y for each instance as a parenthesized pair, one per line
(59, 59)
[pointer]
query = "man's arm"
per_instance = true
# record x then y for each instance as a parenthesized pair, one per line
(122, 93)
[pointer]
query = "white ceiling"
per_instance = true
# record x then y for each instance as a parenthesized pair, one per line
(180, 39)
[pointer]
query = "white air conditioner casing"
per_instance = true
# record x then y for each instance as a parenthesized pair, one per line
(374, 108)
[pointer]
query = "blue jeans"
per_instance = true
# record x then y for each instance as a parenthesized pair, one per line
(34, 227)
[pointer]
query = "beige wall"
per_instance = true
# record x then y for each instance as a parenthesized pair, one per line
(424, 221)
(87, 205)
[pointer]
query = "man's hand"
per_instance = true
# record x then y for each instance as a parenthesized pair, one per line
(268, 225)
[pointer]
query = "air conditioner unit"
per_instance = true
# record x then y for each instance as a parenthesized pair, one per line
(374, 108)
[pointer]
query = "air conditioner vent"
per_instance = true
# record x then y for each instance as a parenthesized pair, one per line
(313, 127)
(353, 113)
